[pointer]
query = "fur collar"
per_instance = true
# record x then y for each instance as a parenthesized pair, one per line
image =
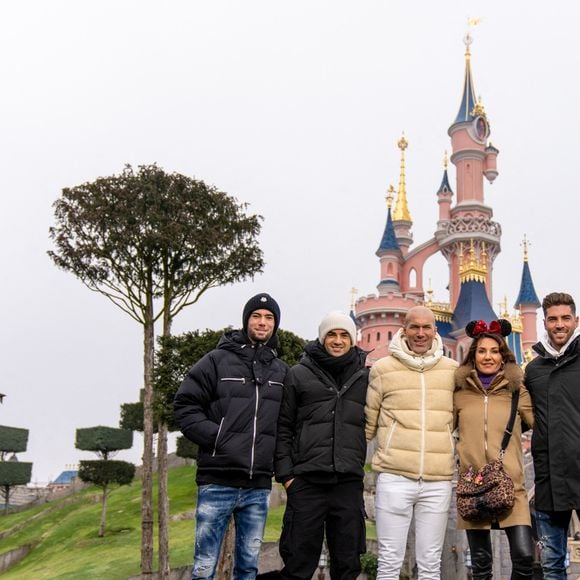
(511, 373)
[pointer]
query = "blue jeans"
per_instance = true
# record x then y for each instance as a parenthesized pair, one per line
(552, 530)
(215, 506)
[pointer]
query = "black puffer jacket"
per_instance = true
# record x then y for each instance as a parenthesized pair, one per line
(228, 404)
(321, 425)
(554, 385)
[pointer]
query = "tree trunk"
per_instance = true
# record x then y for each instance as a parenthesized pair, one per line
(103, 512)
(6, 498)
(147, 492)
(163, 501)
(225, 567)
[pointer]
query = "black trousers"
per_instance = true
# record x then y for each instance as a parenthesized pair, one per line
(312, 509)
(521, 551)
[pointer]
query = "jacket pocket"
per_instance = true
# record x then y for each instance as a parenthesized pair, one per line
(234, 379)
(275, 384)
(217, 437)
(390, 436)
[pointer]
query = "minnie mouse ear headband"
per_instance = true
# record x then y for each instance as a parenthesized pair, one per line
(502, 327)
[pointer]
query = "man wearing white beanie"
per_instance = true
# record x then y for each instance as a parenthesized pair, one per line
(320, 453)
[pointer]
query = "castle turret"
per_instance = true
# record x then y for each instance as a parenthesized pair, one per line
(528, 303)
(444, 194)
(389, 253)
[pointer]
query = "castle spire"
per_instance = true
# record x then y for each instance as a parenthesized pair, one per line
(527, 294)
(389, 239)
(401, 212)
(468, 100)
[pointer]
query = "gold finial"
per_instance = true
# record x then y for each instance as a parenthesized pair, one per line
(478, 110)
(445, 160)
(525, 244)
(390, 196)
(401, 212)
(476, 267)
(468, 39)
(353, 293)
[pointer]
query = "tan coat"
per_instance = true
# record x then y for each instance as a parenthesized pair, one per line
(410, 410)
(481, 418)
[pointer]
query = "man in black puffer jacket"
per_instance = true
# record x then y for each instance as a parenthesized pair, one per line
(228, 404)
(553, 379)
(320, 453)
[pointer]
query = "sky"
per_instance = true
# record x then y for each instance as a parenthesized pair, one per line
(292, 107)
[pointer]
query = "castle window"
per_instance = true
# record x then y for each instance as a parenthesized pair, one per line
(413, 278)
(378, 336)
(390, 335)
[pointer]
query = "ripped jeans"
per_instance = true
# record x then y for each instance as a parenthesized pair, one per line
(215, 506)
(552, 528)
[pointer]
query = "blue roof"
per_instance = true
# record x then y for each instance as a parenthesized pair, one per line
(527, 293)
(445, 183)
(389, 240)
(468, 101)
(65, 477)
(444, 329)
(473, 304)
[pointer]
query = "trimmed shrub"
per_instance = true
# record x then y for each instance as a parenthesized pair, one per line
(15, 473)
(186, 448)
(13, 439)
(103, 439)
(102, 472)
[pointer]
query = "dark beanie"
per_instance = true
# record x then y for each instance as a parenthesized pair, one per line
(261, 301)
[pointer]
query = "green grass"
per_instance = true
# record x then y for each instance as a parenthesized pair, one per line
(67, 544)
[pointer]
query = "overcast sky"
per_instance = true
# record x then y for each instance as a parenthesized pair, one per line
(293, 107)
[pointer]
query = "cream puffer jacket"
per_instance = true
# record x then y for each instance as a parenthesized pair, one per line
(409, 408)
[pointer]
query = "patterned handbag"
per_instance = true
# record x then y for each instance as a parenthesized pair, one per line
(489, 492)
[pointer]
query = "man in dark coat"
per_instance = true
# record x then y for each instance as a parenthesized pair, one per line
(320, 453)
(553, 379)
(228, 404)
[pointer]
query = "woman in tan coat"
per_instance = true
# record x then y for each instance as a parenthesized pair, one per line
(482, 402)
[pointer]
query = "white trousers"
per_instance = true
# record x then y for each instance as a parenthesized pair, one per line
(397, 499)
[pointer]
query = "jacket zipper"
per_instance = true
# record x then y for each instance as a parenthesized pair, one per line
(423, 397)
(390, 436)
(236, 379)
(254, 433)
(276, 383)
(217, 437)
(485, 423)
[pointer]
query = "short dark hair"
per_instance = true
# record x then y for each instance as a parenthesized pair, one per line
(507, 355)
(558, 299)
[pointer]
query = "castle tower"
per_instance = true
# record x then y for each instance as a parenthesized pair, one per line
(474, 159)
(528, 303)
(389, 254)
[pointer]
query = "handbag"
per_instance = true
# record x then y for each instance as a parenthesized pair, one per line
(488, 493)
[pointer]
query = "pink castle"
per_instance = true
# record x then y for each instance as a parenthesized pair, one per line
(466, 236)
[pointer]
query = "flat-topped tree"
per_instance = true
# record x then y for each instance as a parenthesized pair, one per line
(12, 472)
(105, 472)
(153, 243)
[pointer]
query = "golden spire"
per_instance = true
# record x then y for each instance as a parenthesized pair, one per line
(478, 110)
(445, 160)
(429, 301)
(353, 293)
(390, 196)
(401, 212)
(476, 267)
(525, 244)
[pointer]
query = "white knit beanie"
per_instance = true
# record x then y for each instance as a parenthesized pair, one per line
(336, 320)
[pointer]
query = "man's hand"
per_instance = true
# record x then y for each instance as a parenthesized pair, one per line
(288, 483)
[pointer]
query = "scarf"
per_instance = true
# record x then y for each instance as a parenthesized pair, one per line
(417, 362)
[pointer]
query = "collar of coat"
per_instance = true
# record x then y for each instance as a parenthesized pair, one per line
(417, 362)
(466, 375)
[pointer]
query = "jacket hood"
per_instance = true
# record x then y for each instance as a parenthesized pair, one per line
(418, 362)
(466, 374)
(545, 349)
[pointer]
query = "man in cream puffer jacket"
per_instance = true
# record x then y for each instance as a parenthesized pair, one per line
(409, 408)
